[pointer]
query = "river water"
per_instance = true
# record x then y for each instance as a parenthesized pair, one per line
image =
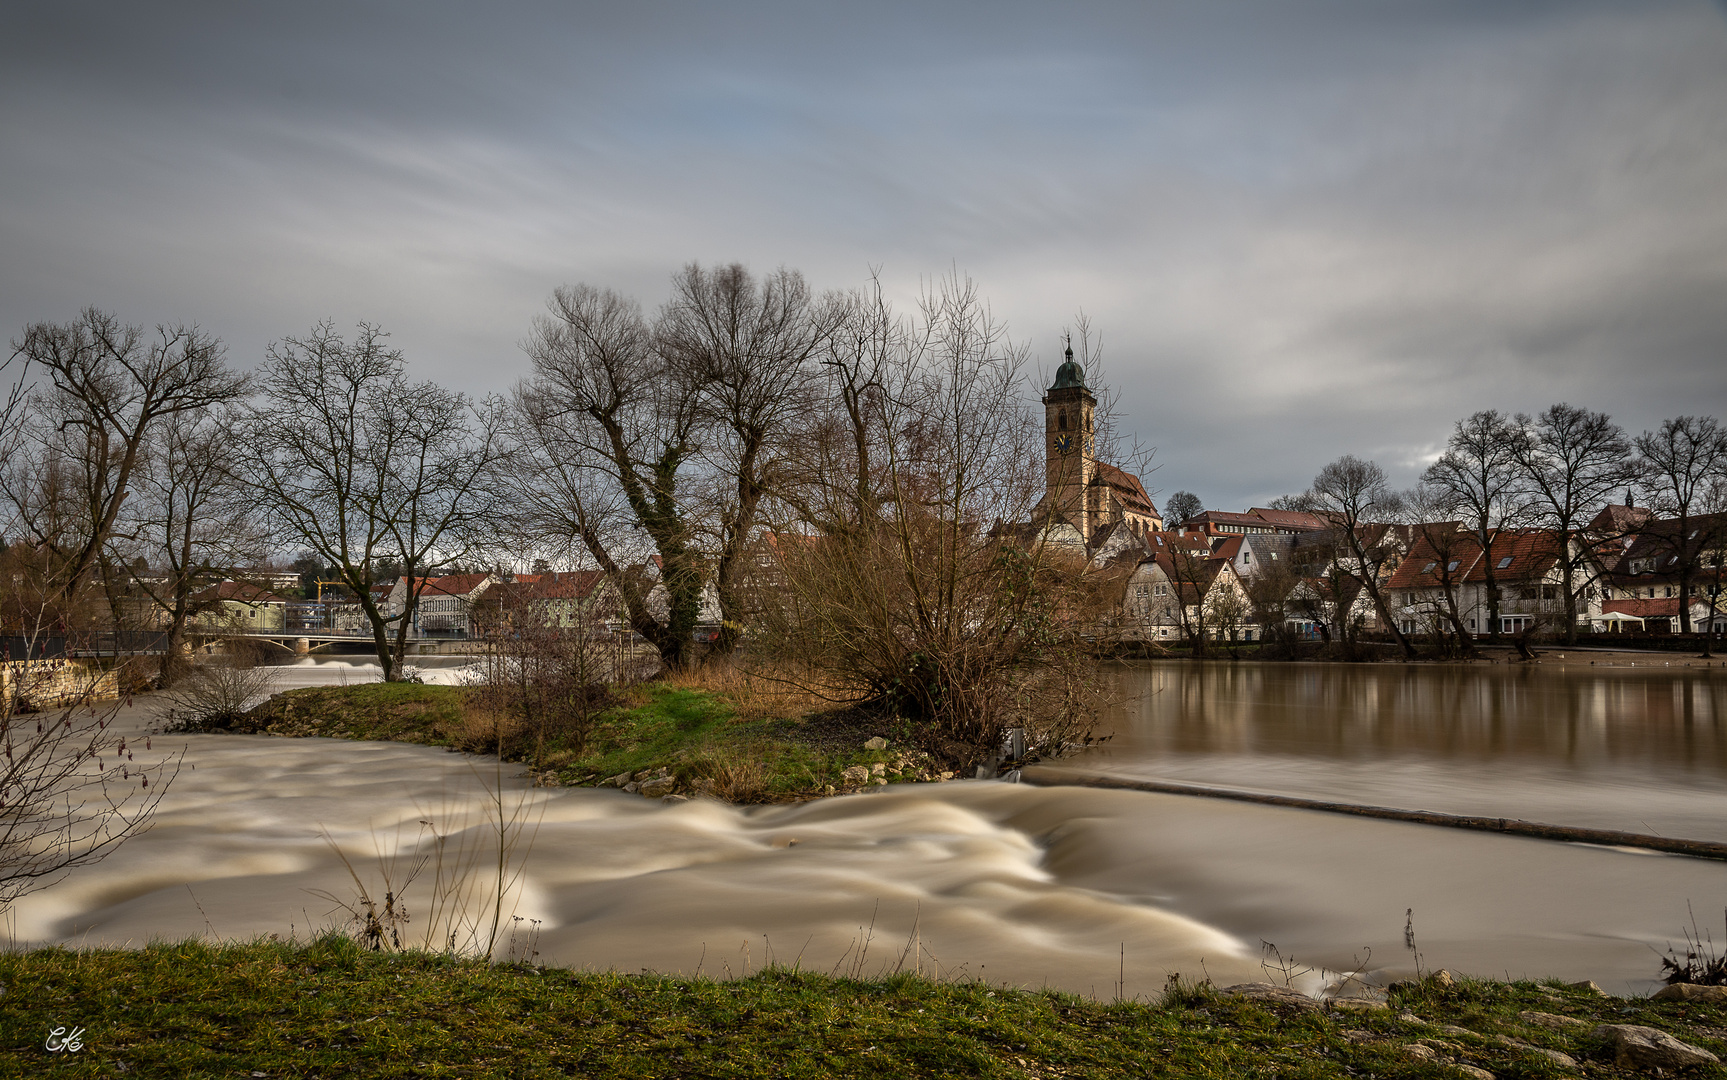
(1098, 892)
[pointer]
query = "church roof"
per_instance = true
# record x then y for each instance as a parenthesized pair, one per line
(1069, 373)
(1127, 488)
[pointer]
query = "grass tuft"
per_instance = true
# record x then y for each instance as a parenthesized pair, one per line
(329, 1007)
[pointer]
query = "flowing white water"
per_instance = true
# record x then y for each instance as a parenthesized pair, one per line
(1059, 887)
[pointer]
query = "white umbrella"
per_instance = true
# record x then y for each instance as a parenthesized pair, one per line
(1618, 617)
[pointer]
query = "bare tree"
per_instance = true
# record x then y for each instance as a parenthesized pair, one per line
(1182, 506)
(86, 425)
(1571, 459)
(190, 522)
(1191, 574)
(831, 477)
(71, 789)
(1447, 554)
(1271, 590)
(603, 441)
(1479, 469)
(1353, 494)
(745, 348)
(1676, 464)
(357, 464)
(913, 603)
(1713, 552)
(1329, 590)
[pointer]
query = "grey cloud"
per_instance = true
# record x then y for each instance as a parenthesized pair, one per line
(1304, 230)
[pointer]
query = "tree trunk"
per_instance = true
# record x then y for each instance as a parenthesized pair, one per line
(1568, 579)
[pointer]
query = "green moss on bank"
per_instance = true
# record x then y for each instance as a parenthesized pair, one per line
(397, 712)
(330, 1009)
(693, 736)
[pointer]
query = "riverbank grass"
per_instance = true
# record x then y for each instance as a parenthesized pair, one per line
(728, 738)
(330, 1008)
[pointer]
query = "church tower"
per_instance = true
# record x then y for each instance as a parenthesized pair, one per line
(1069, 465)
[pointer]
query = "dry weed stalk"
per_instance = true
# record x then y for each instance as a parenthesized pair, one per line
(1701, 963)
(475, 882)
(761, 690)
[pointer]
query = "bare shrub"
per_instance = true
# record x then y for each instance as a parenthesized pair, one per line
(544, 679)
(216, 696)
(900, 586)
(1701, 962)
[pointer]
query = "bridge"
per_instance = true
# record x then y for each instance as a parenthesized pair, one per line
(308, 642)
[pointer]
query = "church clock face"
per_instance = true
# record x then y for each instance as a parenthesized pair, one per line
(1063, 443)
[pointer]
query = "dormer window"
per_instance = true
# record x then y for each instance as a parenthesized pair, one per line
(1451, 567)
(1503, 563)
(1428, 569)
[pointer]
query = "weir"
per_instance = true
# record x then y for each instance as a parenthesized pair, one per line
(1046, 776)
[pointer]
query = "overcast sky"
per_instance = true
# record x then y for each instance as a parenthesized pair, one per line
(1303, 229)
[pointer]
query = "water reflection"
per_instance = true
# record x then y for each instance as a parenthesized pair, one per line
(1643, 750)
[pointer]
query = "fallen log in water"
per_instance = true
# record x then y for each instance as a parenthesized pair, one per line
(1047, 776)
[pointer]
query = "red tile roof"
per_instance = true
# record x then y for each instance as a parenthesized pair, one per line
(571, 585)
(1666, 607)
(1193, 543)
(1532, 552)
(452, 585)
(1127, 488)
(1227, 547)
(240, 591)
(1425, 568)
(1288, 519)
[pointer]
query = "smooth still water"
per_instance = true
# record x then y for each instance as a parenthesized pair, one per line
(1637, 749)
(1014, 883)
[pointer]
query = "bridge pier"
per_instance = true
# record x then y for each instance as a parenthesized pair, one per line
(302, 646)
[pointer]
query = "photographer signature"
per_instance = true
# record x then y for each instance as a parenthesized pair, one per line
(70, 1040)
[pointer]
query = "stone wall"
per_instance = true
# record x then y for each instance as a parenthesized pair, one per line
(47, 684)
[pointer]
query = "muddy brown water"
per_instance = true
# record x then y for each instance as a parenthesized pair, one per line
(1065, 887)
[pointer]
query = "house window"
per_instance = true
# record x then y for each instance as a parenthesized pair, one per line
(1428, 569)
(1163, 590)
(1503, 563)
(1451, 567)
(1471, 624)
